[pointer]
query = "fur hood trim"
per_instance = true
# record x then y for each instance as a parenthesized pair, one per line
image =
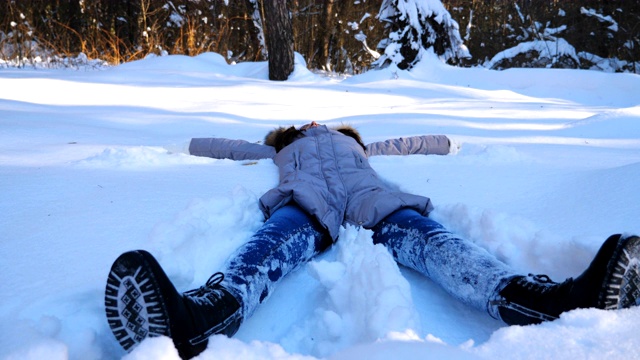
(272, 136)
(352, 132)
(281, 136)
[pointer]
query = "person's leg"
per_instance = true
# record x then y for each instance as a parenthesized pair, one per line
(468, 272)
(141, 301)
(288, 239)
(462, 268)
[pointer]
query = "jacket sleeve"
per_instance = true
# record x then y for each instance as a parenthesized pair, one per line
(219, 148)
(425, 145)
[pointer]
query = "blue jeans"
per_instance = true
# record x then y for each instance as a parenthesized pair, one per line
(291, 238)
(463, 269)
(287, 240)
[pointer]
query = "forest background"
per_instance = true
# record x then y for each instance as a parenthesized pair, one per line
(332, 35)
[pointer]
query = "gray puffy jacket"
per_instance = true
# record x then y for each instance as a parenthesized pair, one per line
(328, 175)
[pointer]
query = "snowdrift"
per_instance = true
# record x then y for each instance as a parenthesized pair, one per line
(93, 163)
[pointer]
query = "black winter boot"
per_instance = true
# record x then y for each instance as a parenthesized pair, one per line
(612, 281)
(141, 301)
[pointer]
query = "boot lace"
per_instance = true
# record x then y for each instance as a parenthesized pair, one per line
(541, 299)
(212, 287)
(540, 284)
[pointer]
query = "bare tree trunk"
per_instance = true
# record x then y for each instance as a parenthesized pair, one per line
(279, 39)
(324, 35)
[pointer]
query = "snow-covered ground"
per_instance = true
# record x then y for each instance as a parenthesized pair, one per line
(92, 164)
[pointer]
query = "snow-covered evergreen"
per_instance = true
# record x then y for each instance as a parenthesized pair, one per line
(415, 26)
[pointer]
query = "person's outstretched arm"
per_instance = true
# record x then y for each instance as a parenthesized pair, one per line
(220, 148)
(425, 145)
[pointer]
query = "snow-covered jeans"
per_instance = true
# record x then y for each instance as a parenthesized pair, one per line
(462, 268)
(290, 238)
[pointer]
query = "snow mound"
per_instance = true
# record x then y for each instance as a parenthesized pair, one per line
(139, 157)
(579, 334)
(200, 238)
(212, 66)
(365, 295)
(516, 241)
(607, 124)
(548, 168)
(224, 348)
(206, 62)
(159, 348)
(407, 346)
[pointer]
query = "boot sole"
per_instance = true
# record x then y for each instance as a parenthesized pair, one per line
(622, 287)
(133, 302)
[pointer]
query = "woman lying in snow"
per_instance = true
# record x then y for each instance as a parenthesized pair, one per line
(325, 182)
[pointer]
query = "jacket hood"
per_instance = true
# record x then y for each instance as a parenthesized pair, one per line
(281, 137)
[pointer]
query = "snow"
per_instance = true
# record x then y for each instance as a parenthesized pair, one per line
(608, 19)
(550, 49)
(92, 164)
